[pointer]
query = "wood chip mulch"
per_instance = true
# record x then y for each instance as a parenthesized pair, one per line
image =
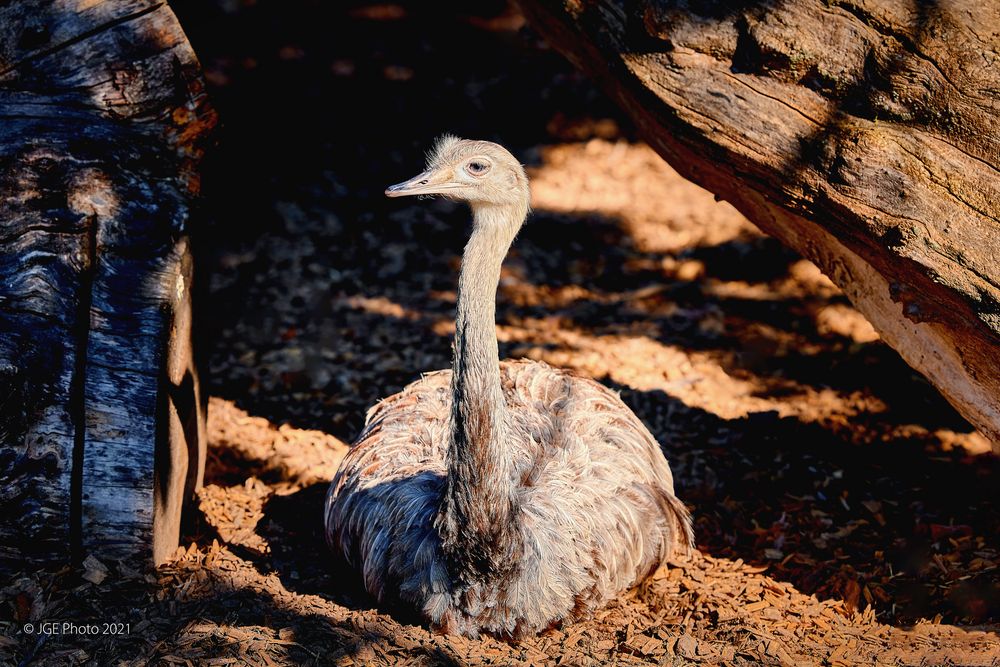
(845, 514)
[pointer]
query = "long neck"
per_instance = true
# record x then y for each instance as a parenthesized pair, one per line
(476, 517)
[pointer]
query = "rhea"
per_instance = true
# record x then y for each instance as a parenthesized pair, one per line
(508, 497)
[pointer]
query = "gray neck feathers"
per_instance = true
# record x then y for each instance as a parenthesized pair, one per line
(477, 514)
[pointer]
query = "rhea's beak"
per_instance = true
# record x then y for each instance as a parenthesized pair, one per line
(430, 182)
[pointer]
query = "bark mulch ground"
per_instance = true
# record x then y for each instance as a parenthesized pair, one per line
(845, 514)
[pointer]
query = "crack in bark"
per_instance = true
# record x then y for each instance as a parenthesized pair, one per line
(903, 38)
(78, 388)
(109, 25)
(780, 101)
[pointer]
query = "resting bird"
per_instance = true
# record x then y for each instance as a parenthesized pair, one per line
(500, 497)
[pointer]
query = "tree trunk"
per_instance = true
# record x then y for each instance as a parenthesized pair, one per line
(102, 123)
(862, 133)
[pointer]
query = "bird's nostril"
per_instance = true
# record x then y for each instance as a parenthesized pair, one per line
(423, 182)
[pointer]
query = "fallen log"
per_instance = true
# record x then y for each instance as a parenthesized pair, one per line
(103, 119)
(862, 133)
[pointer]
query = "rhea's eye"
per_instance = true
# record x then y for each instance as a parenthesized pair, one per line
(477, 168)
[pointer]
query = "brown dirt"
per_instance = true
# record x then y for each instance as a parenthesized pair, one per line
(845, 514)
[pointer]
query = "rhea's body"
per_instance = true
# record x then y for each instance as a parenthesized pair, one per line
(500, 497)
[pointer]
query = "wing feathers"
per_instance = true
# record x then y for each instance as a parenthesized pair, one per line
(598, 512)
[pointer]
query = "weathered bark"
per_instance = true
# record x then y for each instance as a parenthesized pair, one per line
(102, 121)
(862, 133)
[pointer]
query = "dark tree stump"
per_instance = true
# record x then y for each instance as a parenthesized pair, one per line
(102, 122)
(862, 133)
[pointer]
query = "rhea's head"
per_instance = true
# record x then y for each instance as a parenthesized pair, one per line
(480, 172)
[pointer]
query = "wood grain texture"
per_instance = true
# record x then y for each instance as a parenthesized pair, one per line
(103, 120)
(862, 133)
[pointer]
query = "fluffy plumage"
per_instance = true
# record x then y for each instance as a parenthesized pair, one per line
(500, 497)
